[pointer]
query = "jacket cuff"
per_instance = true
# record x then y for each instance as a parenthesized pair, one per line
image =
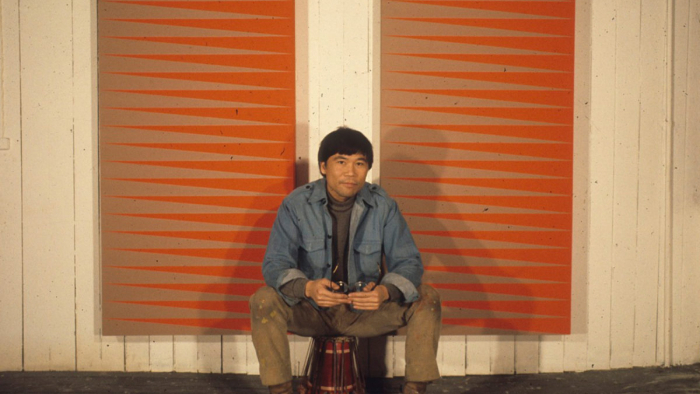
(286, 277)
(409, 291)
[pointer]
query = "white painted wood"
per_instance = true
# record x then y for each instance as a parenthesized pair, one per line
(451, 355)
(689, 307)
(681, 60)
(503, 355)
(299, 349)
(161, 353)
(652, 165)
(479, 354)
(575, 346)
(399, 356)
(625, 182)
(47, 185)
(330, 75)
(314, 86)
(94, 352)
(234, 354)
(551, 353)
(136, 354)
(601, 161)
(185, 357)
(11, 302)
(252, 364)
(527, 354)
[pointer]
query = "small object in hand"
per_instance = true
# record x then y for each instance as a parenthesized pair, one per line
(342, 287)
(359, 286)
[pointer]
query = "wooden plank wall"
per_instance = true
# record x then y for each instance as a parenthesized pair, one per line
(637, 204)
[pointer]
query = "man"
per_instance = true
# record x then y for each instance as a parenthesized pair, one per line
(335, 230)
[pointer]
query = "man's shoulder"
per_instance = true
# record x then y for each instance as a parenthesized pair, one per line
(378, 195)
(304, 192)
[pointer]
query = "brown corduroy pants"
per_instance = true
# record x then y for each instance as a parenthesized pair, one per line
(271, 319)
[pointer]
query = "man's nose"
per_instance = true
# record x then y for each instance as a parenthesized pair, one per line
(351, 170)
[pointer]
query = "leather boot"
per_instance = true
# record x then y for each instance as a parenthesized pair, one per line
(284, 388)
(414, 388)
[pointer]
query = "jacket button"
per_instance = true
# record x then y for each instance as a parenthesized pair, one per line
(330, 236)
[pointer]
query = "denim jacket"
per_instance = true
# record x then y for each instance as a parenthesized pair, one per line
(300, 244)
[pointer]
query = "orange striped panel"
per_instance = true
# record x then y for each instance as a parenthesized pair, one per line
(197, 151)
(477, 149)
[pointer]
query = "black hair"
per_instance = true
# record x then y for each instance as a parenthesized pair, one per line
(345, 141)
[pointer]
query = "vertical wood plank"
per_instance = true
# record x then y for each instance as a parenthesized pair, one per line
(136, 354)
(252, 363)
(551, 353)
(234, 354)
(331, 77)
(399, 355)
(651, 231)
(299, 348)
(185, 353)
(94, 352)
(527, 354)
(11, 301)
(452, 357)
(690, 219)
(625, 182)
(161, 355)
(576, 344)
(209, 353)
(47, 185)
(314, 87)
(197, 353)
(479, 354)
(681, 60)
(603, 30)
(503, 355)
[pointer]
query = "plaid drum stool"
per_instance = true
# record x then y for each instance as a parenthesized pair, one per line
(331, 367)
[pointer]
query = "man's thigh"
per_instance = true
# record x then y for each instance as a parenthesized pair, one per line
(305, 320)
(389, 317)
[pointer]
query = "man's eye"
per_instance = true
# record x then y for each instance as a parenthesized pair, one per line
(361, 164)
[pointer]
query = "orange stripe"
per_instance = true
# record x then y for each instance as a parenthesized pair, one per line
(548, 133)
(545, 256)
(560, 9)
(544, 62)
(277, 62)
(536, 290)
(261, 79)
(266, 8)
(557, 27)
(283, 44)
(550, 308)
(556, 274)
(223, 306)
(267, 150)
(540, 79)
(272, 168)
(247, 237)
(254, 255)
(540, 220)
(263, 220)
(562, 116)
(534, 325)
(245, 272)
(560, 98)
(241, 289)
(549, 150)
(267, 203)
(266, 133)
(561, 45)
(549, 168)
(240, 324)
(260, 185)
(543, 238)
(267, 97)
(552, 186)
(277, 26)
(541, 203)
(281, 115)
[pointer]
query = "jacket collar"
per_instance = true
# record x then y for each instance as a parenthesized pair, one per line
(318, 193)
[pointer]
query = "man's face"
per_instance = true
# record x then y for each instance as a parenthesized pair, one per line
(345, 175)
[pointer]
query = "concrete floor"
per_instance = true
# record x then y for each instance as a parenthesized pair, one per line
(684, 379)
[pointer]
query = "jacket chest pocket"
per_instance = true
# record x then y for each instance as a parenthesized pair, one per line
(313, 251)
(368, 256)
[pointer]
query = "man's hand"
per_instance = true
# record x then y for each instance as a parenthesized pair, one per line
(320, 291)
(370, 298)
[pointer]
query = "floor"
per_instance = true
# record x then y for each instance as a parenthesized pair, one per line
(683, 379)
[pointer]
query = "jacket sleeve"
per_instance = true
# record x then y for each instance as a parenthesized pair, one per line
(279, 266)
(403, 261)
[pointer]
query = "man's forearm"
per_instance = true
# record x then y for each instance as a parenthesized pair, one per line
(295, 288)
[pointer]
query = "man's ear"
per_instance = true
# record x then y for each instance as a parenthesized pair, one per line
(322, 168)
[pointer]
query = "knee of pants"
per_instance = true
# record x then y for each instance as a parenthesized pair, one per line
(429, 297)
(263, 302)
